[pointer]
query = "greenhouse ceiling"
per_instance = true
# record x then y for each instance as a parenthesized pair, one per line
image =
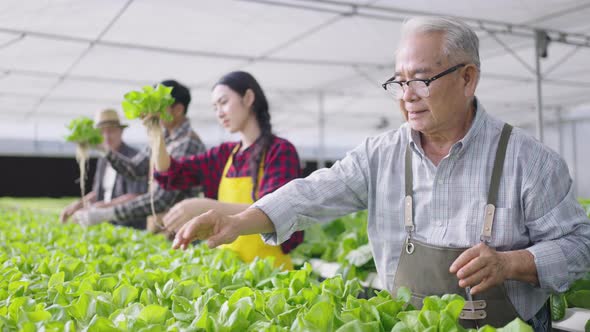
(321, 63)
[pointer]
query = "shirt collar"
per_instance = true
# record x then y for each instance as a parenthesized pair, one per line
(459, 147)
(478, 121)
(415, 142)
(248, 149)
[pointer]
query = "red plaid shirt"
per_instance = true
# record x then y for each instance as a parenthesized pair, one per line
(281, 165)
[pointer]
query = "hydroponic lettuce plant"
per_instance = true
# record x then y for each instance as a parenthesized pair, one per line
(577, 296)
(585, 202)
(338, 241)
(84, 134)
(67, 278)
(150, 104)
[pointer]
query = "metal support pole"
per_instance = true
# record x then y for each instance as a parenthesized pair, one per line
(575, 158)
(559, 131)
(321, 131)
(540, 51)
(36, 145)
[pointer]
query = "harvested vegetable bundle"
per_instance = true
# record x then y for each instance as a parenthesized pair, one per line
(577, 296)
(84, 134)
(150, 104)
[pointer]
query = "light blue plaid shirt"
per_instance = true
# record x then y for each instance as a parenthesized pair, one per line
(536, 208)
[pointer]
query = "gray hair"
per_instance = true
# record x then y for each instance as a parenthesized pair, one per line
(460, 40)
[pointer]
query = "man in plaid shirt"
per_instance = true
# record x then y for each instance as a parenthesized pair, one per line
(180, 140)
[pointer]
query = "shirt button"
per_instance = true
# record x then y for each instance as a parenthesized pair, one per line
(440, 182)
(439, 223)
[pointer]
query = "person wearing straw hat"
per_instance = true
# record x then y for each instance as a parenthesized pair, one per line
(180, 140)
(109, 187)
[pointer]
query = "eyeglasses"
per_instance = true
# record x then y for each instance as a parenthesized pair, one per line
(419, 86)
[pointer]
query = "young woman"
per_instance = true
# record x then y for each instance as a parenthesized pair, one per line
(236, 173)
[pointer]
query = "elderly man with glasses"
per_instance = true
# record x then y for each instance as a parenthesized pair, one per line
(459, 202)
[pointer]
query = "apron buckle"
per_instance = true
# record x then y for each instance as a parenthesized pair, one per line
(409, 246)
(475, 305)
(473, 315)
(488, 221)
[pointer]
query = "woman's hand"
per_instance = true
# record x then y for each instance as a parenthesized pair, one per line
(187, 209)
(212, 226)
(150, 120)
(184, 211)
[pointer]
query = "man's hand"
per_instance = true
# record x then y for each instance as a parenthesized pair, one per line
(69, 210)
(93, 216)
(218, 229)
(481, 267)
(150, 120)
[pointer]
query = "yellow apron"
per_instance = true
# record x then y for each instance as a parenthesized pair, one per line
(239, 190)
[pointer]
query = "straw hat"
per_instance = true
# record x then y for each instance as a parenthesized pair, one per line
(108, 118)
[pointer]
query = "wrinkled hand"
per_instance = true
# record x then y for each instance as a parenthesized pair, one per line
(480, 267)
(69, 210)
(218, 229)
(93, 216)
(154, 132)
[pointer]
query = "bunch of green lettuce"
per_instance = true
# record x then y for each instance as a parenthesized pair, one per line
(334, 242)
(585, 202)
(577, 296)
(148, 101)
(442, 314)
(82, 131)
(151, 103)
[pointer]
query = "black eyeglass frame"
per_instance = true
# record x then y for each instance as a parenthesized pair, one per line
(425, 81)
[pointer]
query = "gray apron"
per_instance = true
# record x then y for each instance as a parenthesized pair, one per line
(424, 268)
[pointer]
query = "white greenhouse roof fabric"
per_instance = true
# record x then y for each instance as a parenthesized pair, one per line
(63, 58)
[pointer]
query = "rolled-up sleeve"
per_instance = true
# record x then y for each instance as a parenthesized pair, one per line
(135, 167)
(203, 169)
(322, 196)
(136, 186)
(558, 226)
(181, 174)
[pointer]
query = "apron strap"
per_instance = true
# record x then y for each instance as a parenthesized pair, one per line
(229, 163)
(230, 160)
(486, 233)
(408, 201)
(256, 194)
